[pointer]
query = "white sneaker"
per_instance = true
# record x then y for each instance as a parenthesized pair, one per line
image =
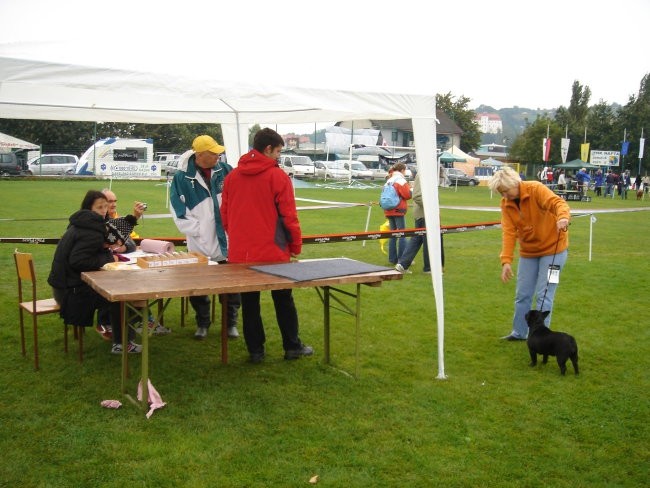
(233, 333)
(132, 348)
(402, 270)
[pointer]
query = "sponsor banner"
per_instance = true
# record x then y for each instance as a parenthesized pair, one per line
(584, 152)
(605, 158)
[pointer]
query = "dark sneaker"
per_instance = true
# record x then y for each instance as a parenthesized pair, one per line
(298, 353)
(201, 333)
(257, 357)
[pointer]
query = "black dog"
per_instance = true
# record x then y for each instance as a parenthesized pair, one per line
(544, 341)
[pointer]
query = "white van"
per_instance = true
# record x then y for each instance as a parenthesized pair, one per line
(119, 158)
(297, 166)
(52, 164)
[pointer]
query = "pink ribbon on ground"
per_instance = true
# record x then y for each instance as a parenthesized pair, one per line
(155, 401)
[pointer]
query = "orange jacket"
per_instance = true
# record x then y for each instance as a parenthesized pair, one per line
(533, 223)
(404, 191)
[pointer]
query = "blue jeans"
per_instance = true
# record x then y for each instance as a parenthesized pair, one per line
(396, 245)
(532, 278)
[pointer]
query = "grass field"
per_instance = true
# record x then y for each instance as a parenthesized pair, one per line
(493, 422)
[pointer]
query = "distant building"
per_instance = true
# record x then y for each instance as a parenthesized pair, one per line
(489, 123)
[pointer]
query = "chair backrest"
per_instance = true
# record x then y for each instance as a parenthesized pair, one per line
(25, 272)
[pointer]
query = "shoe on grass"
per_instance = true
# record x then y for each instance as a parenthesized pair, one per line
(201, 333)
(155, 327)
(512, 337)
(132, 348)
(402, 269)
(298, 353)
(105, 331)
(233, 333)
(257, 357)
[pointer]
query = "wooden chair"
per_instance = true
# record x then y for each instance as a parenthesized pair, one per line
(26, 273)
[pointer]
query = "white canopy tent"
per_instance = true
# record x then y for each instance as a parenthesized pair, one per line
(35, 88)
(10, 142)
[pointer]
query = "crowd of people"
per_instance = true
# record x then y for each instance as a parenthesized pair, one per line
(607, 184)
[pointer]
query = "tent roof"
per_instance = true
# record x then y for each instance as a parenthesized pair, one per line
(46, 90)
(9, 142)
(576, 164)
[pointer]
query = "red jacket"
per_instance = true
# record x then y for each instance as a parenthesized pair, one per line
(403, 190)
(258, 211)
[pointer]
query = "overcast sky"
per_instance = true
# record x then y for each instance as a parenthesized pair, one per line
(501, 53)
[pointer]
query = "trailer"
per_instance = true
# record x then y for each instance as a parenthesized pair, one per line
(119, 158)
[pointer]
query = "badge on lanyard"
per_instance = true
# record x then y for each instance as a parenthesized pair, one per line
(554, 273)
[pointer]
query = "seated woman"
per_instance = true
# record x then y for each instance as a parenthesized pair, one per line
(85, 247)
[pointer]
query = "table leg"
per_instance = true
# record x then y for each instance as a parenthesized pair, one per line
(125, 362)
(223, 299)
(357, 317)
(145, 354)
(326, 324)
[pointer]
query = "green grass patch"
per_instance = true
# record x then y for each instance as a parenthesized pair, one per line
(493, 422)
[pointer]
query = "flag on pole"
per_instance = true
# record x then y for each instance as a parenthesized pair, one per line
(625, 147)
(641, 144)
(546, 149)
(584, 151)
(564, 148)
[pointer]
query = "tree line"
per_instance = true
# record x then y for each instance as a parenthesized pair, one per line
(602, 125)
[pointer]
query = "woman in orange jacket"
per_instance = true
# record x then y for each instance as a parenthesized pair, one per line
(395, 217)
(538, 220)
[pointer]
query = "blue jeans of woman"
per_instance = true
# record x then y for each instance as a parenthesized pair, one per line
(532, 279)
(396, 245)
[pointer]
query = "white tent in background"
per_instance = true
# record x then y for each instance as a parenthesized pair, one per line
(9, 142)
(456, 151)
(34, 85)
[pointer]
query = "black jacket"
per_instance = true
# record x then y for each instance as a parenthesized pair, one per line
(80, 249)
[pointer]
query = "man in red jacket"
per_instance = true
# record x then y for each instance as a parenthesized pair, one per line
(258, 212)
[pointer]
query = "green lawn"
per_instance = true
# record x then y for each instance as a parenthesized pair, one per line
(493, 422)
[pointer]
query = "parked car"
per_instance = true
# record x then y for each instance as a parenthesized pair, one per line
(171, 166)
(332, 170)
(458, 177)
(297, 166)
(9, 164)
(359, 171)
(168, 163)
(52, 164)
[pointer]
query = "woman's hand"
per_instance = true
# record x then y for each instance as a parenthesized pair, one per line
(506, 272)
(562, 224)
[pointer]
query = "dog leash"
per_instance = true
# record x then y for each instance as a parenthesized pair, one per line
(548, 280)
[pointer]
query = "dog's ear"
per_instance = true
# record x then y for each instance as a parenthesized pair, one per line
(527, 316)
(545, 313)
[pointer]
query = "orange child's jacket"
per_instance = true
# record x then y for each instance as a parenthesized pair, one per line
(533, 223)
(404, 191)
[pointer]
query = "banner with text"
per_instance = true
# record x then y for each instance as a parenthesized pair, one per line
(605, 158)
